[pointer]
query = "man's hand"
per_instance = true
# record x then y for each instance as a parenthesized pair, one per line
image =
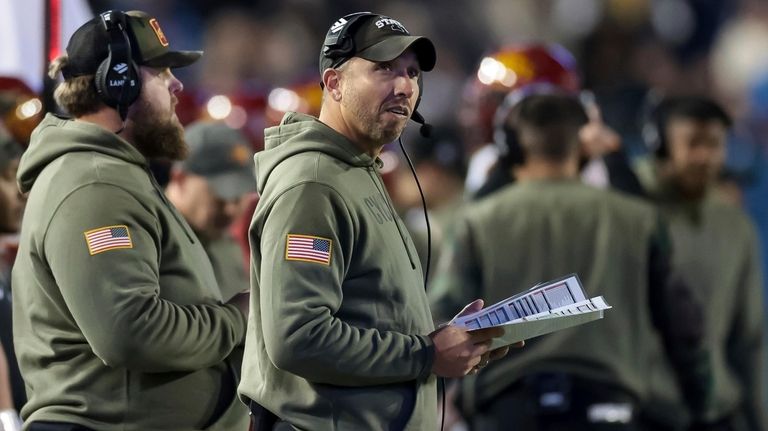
(458, 352)
(597, 138)
(496, 354)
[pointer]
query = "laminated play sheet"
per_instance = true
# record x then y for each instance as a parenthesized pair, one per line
(544, 308)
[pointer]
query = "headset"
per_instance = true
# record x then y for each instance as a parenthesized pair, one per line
(653, 124)
(339, 46)
(659, 111)
(505, 138)
(117, 79)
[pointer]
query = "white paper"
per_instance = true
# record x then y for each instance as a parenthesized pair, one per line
(545, 308)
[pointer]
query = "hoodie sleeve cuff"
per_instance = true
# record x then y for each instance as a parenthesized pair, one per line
(428, 354)
(240, 323)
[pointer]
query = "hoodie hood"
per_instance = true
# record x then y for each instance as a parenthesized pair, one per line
(299, 133)
(56, 136)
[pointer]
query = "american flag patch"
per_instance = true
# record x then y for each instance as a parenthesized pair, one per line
(108, 238)
(308, 249)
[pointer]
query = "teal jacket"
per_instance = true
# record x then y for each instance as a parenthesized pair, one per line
(119, 332)
(338, 328)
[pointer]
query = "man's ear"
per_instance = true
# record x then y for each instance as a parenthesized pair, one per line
(332, 82)
(178, 176)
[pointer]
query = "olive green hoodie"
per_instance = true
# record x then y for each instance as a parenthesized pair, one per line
(338, 342)
(133, 337)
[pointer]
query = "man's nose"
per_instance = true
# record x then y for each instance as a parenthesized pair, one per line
(405, 86)
(175, 85)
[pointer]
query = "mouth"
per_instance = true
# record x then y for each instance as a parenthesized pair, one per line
(398, 110)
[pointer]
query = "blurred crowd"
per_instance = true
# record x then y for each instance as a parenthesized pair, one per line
(261, 59)
(619, 57)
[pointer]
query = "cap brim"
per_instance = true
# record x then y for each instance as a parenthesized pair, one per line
(392, 47)
(233, 185)
(174, 59)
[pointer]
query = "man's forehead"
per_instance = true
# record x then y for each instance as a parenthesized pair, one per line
(695, 124)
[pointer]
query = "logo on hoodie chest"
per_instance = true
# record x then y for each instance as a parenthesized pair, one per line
(378, 208)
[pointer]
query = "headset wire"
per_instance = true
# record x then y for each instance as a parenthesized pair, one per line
(441, 381)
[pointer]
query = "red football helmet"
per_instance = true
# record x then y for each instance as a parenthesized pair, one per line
(21, 109)
(304, 96)
(511, 68)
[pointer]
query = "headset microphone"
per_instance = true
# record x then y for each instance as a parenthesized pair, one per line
(426, 129)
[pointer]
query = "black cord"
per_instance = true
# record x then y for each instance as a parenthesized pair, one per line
(424, 206)
(440, 381)
(120, 130)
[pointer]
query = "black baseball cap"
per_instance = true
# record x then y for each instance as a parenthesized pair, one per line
(89, 46)
(223, 156)
(377, 38)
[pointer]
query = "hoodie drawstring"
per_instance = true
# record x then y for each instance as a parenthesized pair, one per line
(380, 187)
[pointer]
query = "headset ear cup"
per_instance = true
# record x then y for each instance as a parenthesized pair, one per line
(653, 132)
(100, 80)
(341, 46)
(515, 152)
(117, 78)
(133, 90)
(345, 48)
(653, 124)
(122, 95)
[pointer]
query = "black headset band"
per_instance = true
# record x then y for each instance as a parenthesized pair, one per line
(337, 39)
(119, 43)
(117, 78)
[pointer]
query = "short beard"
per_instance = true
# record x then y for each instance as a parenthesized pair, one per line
(375, 133)
(156, 137)
(691, 192)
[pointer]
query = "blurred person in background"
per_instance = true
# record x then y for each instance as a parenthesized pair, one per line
(716, 253)
(440, 166)
(546, 225)
(118, 321)
(340, 332)
(12, 396)
(499, 73)
(506, 77)
(21, 110)
(210, 189)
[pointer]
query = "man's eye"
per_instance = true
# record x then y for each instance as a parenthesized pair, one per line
(413, 73)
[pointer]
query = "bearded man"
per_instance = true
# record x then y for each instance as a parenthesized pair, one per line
(118, 321)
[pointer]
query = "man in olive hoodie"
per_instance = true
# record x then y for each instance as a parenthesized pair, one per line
(546, 225)
(118, 321)
(716, 252)
(340, 336)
